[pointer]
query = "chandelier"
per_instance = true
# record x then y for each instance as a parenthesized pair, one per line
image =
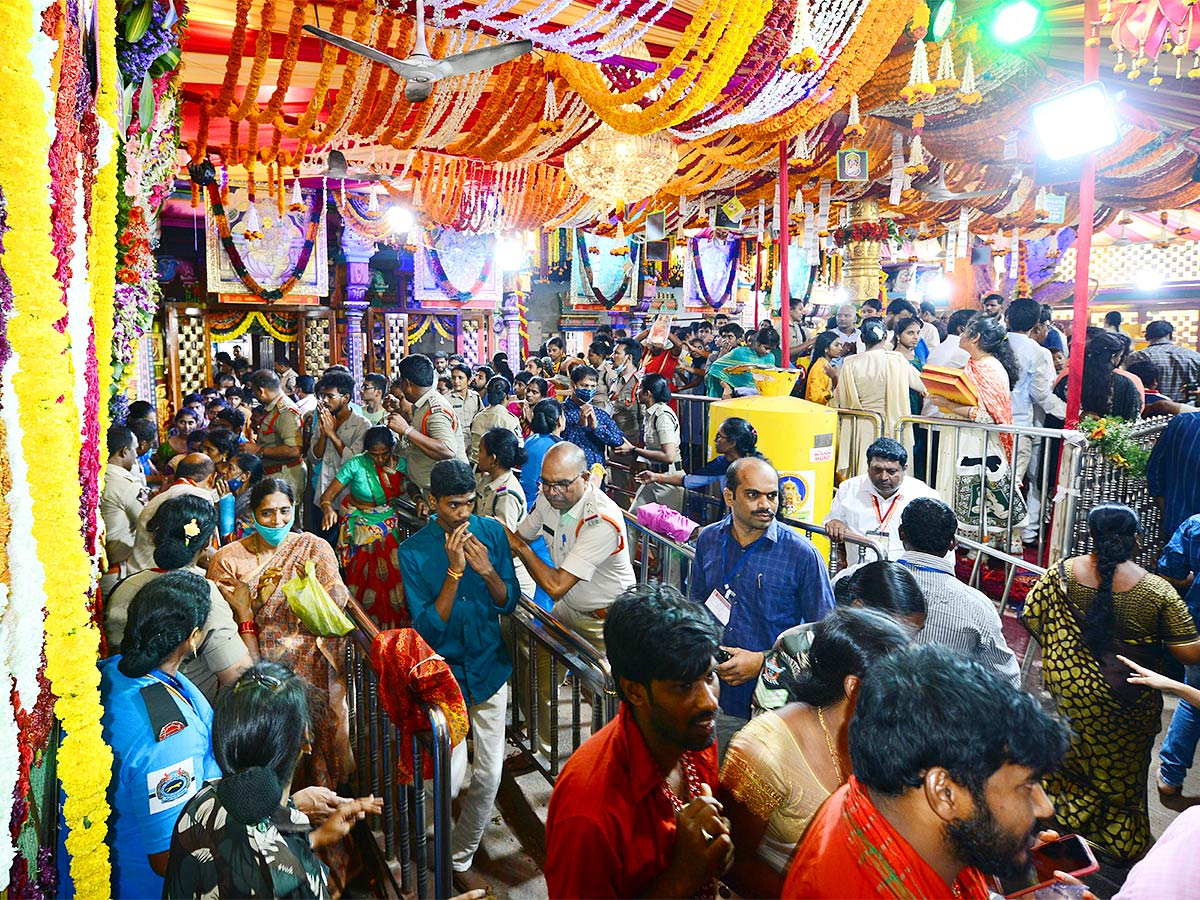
(622, 168)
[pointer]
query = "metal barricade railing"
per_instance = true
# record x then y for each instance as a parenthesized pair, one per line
(377, 741)
(694, 422)
(968, 465)
(536, 638)
(1096, 479)
(857, 429)
(864, 544)
(658, 557)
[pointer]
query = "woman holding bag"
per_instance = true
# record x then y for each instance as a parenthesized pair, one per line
(370, 488)
(271, 556)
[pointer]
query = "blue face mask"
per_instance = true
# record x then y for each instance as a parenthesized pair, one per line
(585, 395)
(274, 536)
(235, 485)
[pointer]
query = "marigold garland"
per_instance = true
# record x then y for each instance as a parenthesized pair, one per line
(710, 50)
(72, 641)
(1111, 436)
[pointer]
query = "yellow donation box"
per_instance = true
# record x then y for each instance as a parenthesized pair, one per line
(798, 438)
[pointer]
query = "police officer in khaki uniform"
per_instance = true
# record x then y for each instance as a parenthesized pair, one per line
(280, 434)
(432, 431)
(585, 531)
(660, 444)
(623, 402)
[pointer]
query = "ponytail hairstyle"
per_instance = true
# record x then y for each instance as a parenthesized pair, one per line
(182, 527)
(1114, 529)
(505, 447)
(1099, 358)
(872, 331)
(993, 339)
(742, 435)
(163, 615)
(846, 642)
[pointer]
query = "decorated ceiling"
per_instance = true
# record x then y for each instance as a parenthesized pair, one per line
(720, 84)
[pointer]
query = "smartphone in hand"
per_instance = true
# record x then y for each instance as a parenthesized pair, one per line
(1070, 854)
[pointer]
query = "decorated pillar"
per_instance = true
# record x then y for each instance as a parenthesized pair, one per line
(358, 251)
(510, 316)
(860, 275)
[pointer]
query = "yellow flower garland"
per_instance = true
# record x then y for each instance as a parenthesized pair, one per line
(102, 254)
(717, 38)
(46, 402)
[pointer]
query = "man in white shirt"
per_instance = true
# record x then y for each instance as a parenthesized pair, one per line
(1033, 398)
(847, 326)
(194, 475)
(930, 333)
(871, 504)
(306, 397)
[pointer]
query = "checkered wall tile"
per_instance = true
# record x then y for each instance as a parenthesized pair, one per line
(192, 374)
(1185, 321)
(316, 346)
(1176, 262)
(395, 339)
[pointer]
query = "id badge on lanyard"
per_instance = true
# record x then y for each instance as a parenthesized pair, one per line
(880, 533)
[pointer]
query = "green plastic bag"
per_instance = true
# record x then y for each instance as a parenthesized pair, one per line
(314, 607)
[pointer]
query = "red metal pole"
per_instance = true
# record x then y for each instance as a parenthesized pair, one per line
(1083, 243)
(757, 279)
(785, 310)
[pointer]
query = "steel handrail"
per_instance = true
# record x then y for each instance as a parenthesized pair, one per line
(1026, 430)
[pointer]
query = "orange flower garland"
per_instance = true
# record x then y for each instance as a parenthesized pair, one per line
(873, 39)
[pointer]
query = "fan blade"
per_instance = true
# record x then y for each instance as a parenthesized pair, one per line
(398, 66)
(483, 58)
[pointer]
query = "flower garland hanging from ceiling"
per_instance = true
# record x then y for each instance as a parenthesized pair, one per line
(710, 50)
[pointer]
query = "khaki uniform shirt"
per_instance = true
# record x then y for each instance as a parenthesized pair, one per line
(589, 541)
(491, 417)
(605, 379)
(661, 427)
(120, 505)
(465, 408)
(282, 426)
(626, 411)
(504, 499)
(435, 418)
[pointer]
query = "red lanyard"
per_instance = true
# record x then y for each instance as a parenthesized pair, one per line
(879, 514)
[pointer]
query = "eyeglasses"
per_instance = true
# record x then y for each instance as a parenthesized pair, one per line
(559, 487)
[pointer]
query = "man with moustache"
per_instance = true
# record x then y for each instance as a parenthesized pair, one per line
(757, 578)
(948, 759)
(632, 813)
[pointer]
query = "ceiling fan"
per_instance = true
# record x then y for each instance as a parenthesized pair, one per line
(337, 167)
(419, 70)
(1122, 239)
(937, 192)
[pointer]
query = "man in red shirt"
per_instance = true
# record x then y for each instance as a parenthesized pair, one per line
(661, 360)
(948, 759)
(632, 813)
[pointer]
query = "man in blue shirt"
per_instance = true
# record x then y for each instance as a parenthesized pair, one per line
(1179, 564)
(1177, 451)
(459, 578)
(588, 426)
(758, 578)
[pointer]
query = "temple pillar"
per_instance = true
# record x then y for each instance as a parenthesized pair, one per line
(510, 316)
(358, 251)
(860, 274)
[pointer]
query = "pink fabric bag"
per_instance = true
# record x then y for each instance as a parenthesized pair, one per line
(666, 521)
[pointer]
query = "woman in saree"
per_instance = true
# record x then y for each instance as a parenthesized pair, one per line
(536, 390)
(822, 376)
(976, 465)
(1084, 612)
(270, 557)
(877, 381)
(364, 496)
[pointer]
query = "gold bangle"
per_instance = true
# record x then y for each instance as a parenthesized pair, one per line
(455, 575)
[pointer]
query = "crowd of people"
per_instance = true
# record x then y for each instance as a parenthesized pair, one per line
(786, 733)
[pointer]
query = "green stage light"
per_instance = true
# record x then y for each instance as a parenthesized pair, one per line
(1015, 22)
(941, 14)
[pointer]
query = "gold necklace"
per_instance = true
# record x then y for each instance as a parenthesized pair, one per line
(837, 765)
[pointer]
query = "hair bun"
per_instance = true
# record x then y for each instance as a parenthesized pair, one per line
(249, 796)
